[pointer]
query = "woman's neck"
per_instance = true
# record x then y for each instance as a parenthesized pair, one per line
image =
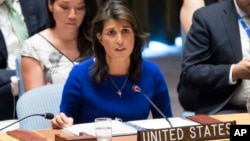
(63, 36)
(118, 66)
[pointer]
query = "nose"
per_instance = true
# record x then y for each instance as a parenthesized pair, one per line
(72, 13)
(119, 39)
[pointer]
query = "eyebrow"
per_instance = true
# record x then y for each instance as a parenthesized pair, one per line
(67, 2)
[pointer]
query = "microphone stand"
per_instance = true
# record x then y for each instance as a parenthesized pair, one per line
(157, 109)
(138, 90)
(47, 116)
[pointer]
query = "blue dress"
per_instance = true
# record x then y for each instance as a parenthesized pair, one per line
(84, 101)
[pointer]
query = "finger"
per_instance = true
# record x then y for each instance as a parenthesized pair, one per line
(58, 122)
(70, 121)
(54, 124)
(66, 121)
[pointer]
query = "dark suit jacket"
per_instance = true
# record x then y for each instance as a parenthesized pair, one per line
(36, 18)
(213, 45)
(207, 2)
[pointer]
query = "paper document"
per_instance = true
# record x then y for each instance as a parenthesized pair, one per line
(162, 123)
(131, 127)
(5, 123)
(118, 129)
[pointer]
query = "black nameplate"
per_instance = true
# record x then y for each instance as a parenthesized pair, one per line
(197, 132)
(239, 132)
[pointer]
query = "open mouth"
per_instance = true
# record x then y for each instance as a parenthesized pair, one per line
(119, 49)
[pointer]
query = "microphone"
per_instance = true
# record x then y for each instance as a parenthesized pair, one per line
(137, 89)
(46, 116)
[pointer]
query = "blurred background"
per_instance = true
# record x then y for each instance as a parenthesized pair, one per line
(158, 17)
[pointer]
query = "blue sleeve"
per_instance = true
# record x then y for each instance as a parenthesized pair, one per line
(161, 95)
(71, 97)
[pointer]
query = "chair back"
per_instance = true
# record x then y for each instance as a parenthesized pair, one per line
(19, 75)
(41, 100)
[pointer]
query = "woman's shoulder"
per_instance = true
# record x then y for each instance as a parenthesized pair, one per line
(37, 45)
(82, 68)
(36, 40)
(148, 63)
(86, 63)
(39, 36)
(150, 66)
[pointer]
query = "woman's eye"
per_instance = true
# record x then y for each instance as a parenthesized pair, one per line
(125, 31)
(111, 32)
(64, 7)
(80, 8)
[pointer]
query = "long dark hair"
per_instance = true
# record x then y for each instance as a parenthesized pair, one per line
(84, 43)
(116, 9)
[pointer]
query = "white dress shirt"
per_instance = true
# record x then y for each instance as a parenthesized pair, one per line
(12, 43)
(243, 92)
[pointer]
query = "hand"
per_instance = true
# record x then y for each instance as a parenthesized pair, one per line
(61, 121)
(241, 70)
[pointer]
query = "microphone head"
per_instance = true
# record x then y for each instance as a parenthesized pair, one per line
(136, 88)
(48, 115)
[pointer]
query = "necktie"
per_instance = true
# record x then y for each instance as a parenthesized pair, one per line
(244, 24)
(17, 23)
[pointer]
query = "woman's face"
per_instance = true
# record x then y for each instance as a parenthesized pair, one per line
(117, 38)
(68, 14)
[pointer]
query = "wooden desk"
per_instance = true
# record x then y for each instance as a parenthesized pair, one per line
(243, 118)
(50, 135)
